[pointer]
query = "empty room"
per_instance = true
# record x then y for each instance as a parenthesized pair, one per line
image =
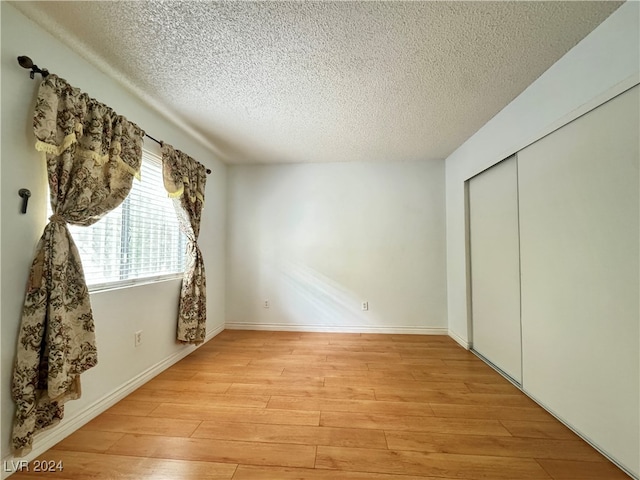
(351, 240)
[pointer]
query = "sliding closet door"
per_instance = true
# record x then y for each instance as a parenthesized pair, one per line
(495, 271)
(579, 231)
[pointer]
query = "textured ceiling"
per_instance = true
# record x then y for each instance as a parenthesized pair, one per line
(324, 81)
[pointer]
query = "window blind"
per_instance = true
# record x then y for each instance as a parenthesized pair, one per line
(140, 241)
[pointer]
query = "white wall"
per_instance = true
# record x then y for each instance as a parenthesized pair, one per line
(318, 239)
(118, 313)
(605, 63)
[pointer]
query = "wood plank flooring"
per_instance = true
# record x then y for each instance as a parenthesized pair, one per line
(326, 406)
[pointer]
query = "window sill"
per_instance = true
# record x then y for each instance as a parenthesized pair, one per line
(108, 287)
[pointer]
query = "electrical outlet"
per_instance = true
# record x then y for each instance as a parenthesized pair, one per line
(137, 338)
(365, 305)
(266, 304)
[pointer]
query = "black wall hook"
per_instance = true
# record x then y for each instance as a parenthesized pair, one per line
(24, 193)
(26, 62)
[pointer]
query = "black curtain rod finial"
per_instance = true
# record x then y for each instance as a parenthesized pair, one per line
(26, 62)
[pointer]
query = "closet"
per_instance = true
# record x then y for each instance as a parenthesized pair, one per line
(554, 248)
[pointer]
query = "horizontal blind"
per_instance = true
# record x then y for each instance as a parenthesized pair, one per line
(137, 242)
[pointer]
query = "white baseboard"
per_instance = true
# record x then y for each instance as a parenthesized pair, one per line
(463, 343)
(288, 327)
(48, 438)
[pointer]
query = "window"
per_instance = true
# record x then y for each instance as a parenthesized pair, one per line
(138, 242)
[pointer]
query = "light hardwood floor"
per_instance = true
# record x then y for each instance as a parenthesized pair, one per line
(325, 406)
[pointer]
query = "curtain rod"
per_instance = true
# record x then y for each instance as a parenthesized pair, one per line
(26, 62)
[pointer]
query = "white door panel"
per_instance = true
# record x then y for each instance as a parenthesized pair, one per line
(495, 270)
(579, 232)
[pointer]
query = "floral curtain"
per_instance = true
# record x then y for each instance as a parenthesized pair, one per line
(92, 155)
(184, 180)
